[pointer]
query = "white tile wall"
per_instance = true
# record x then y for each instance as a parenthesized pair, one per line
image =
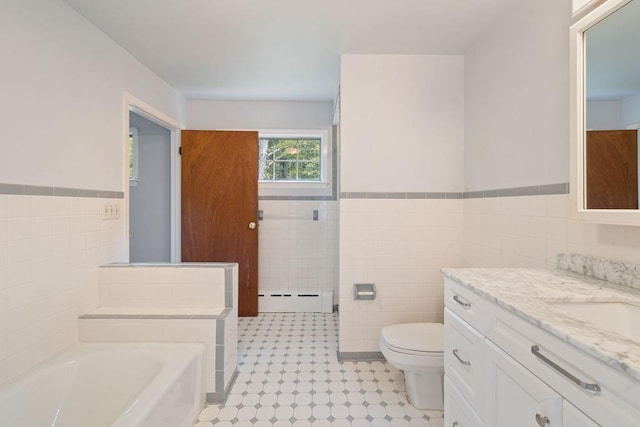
(162, 287)
(400, 245)
(295, 251)
(530, 231)
(50, 248)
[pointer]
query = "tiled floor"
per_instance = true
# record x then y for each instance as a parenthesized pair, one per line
(290, 377)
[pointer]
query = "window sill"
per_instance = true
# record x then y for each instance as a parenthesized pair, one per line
(293, 184)
(295, 189)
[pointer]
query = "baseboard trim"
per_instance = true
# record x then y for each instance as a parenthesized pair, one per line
(360, 356)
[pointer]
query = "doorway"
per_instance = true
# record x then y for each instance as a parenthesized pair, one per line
(152, 197)
(149, 191)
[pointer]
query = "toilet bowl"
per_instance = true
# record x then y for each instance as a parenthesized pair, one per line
(418, 350)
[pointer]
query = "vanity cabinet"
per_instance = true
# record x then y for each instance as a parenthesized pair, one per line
(503, 371)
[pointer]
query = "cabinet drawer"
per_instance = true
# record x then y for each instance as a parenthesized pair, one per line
(465, 360)
(519, 397)
(457, 412)
(573, 417)
(554, 361)
(465, 303)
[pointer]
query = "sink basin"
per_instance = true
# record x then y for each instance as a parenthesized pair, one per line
(620, 317)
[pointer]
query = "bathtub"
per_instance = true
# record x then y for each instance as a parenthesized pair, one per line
(117, 385)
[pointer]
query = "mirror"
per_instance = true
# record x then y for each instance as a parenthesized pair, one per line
(606, 119)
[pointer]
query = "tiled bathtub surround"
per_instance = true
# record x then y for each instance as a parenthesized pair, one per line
(168, 286)
(400, 245)
(171, 303)
(297, 252)
(612, 271)
(50, 248)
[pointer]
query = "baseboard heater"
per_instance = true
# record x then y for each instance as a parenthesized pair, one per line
(295, 302)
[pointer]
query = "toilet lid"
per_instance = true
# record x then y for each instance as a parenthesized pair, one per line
(415, 337)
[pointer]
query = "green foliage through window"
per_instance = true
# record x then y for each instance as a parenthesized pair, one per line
(131, 155)
(289, 159)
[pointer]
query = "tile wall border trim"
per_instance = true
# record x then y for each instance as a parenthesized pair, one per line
(222, 315)
(360, 356)
(304, 198)
(533, 190)
(39, 190)
(170, 265)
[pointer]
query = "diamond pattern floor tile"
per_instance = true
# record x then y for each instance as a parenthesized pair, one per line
(289, 376)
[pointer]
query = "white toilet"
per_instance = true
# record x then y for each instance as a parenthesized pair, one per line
(418, 350)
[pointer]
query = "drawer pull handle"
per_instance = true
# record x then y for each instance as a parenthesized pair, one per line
(459, 300)
(542, 420)
(460, 359)
(587, 386)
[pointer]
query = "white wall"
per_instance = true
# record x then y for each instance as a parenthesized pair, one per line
(401, 120)
(258, 115)
(531, 103)
(630, 114)
(603, 115)
(150, 198)
(62, 83)
(516, 100)
(401, 123)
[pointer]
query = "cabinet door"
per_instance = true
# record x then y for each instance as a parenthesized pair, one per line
(519, 397)
(573, 417)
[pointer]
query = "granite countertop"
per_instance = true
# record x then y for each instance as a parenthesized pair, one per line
(528, 292)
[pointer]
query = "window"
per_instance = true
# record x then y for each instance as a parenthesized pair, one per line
(290, 159)
(295, 163)
(133, 155)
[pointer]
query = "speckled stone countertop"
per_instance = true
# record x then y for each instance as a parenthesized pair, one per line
(529, 292)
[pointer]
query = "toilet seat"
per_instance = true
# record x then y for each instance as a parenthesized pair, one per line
(417, 339)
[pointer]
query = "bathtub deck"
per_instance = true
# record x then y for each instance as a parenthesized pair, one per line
(289, 373)
(102, 312)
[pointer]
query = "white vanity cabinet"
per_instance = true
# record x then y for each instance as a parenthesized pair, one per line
(504, 371)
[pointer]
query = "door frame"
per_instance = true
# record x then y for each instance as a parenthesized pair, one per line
(135, 105)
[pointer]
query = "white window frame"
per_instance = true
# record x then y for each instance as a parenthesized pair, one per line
(135, 177)
(301, 188)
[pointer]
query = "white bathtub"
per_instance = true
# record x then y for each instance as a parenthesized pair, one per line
(118, 385)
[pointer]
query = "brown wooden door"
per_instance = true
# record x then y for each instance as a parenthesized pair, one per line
(219, 204)
(612, 169)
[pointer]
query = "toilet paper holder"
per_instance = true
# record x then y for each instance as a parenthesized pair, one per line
(364, 291)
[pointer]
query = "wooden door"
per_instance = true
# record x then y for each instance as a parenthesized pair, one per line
(220, 205)
(612, 169)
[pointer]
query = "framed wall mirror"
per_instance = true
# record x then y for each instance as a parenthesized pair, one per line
(605, 116)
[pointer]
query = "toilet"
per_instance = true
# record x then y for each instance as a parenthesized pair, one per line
(418, 350)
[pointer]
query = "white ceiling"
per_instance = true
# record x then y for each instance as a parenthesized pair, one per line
(281, 49)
